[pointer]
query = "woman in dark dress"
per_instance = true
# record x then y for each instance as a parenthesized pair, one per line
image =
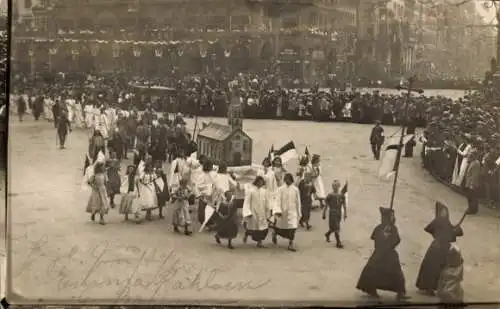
(444, 233)
(114, 180)
(226, 220)
(383, 269)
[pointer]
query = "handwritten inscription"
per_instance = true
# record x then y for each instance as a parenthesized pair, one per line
(122, 270)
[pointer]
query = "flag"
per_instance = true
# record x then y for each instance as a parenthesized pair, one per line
(287, 152)
(306, 152)
(390, 161)
(209, 212)
(345, 193)
(271, 153)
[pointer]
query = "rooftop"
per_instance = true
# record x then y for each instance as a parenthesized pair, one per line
(216, 131)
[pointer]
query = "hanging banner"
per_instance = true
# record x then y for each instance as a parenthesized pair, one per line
(203, 50)
(158, 52)
(116, 50)
(94, 49)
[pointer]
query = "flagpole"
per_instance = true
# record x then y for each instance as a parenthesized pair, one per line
(401, 139)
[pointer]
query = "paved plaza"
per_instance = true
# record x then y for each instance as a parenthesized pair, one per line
(58, 253)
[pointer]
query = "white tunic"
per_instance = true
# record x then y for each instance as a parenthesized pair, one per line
(256, 208)
(288, 205)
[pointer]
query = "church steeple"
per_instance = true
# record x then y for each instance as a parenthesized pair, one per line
(235, 112)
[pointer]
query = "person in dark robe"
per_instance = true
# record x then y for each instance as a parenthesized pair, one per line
(114, 181)
(38, 107)
(63, 128)
(56, 111)
(306, 191)
(121, 124)
(117, 143)
(162, 194)
(335, 203)
(377, 140)
(226, 222)
(412, 126)
(96, 145)
(383, 269)
(21, 107)
(444, 233)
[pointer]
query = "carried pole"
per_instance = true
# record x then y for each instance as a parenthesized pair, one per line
(410, 89)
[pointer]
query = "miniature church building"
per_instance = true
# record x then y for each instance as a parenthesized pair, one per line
(227, 144)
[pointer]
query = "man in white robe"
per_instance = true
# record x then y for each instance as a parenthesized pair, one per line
(256, 211)
(287, 212)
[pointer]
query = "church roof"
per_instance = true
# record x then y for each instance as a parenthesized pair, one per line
(216, 131)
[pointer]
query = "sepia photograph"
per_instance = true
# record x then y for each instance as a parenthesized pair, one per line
(252, 152)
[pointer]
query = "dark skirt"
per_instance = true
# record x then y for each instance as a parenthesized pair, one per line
(432, 265)
(114, 183)
(334, 222)
(285, 233)
(257, 235)
(382, 272)
(227, 227)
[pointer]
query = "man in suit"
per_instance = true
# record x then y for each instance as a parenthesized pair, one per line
(471, 183)
(377, 139)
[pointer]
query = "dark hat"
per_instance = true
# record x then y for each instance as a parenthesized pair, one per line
(440, 207)
(259, 178)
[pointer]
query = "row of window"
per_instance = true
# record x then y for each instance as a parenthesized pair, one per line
(210, 149)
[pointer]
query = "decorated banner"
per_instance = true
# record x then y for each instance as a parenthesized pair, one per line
(136, 51)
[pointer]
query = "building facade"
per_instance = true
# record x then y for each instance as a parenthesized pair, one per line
(302, 39)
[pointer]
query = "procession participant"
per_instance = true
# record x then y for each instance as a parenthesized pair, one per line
(63, 127)
(98, 202)
(38, 107)
(444, 233)
(96, 144)
(56, 111)
(116, 143)
(121, 129)
(223, 181)
(383, 269)
(114, 181)
(179, 169)
(132, 124)
(377, 139)
(146, 187)
(161, 186)
(256, 212)
(304, 168)
(181, 216)
(287, 212)
(70, 105)
(47, 108)
(103, 125)
(128, 203)
(226, 222)
(319, 186)
(472, 183)
(278, 170)
(306, 191)
(335, 203)
(78, 118)
(462, 161)
(271, 182)
(411, 143)
(449, 288)
(205, 191)
(21, 107)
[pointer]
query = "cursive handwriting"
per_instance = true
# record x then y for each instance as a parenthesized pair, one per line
(167, 271)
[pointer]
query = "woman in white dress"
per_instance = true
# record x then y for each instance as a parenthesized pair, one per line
(47, 108)
(78, 120)
(70, 105)
(462, 161)
(319, 186)
(148, 200)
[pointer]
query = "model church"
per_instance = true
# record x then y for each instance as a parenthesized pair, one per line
(227, 144)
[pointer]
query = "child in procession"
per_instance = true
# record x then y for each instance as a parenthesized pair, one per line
(226, 220)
